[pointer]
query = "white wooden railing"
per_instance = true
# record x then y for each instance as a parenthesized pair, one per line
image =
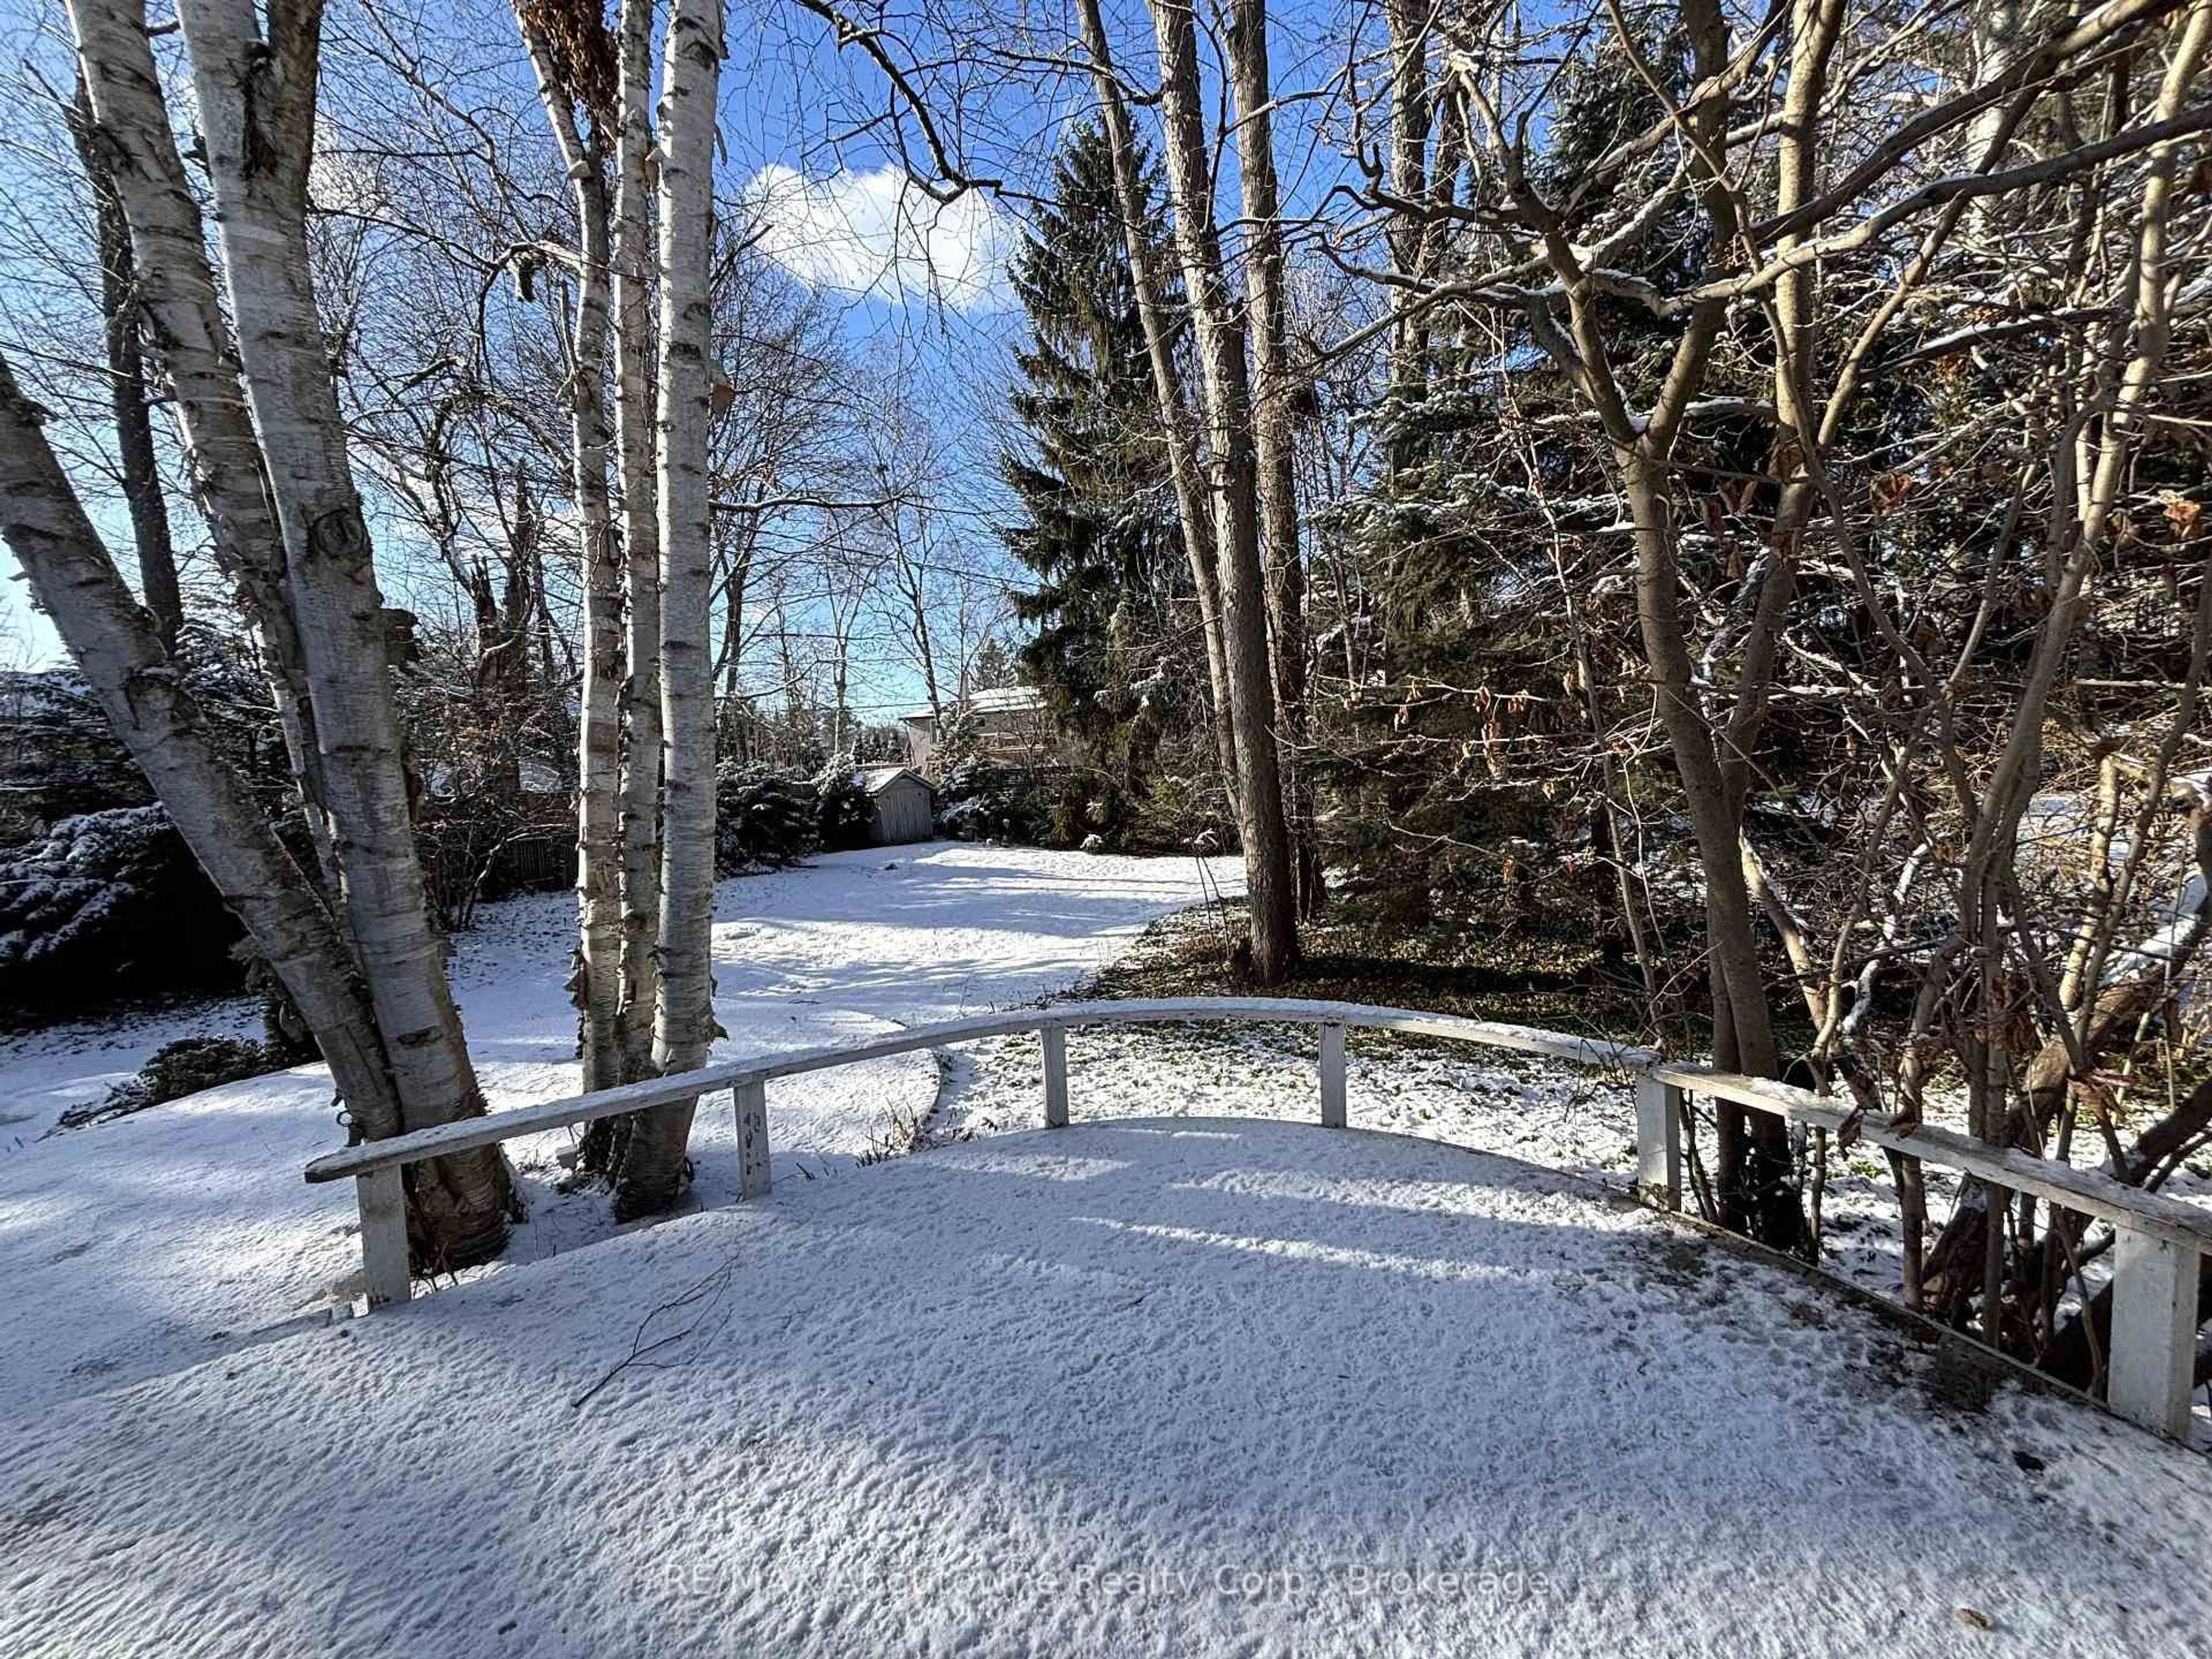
(2152, 1351)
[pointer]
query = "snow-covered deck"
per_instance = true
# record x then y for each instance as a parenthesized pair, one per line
(2153, 1332)
(1173, 1386)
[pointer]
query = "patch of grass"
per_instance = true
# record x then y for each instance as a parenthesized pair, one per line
(1353, 954)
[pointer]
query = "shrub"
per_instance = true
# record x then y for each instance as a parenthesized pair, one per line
(1178, 814)
(840, 810)
(762, 821)
(183, 1068)
(108, 901)
(58, 757)
(979, 801)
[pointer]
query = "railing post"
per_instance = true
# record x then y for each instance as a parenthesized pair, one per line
(1659, 1140)
(1056, 1075)
(2152, 1357)
(751, 1101)
(1332, 1077)
(383, 1199)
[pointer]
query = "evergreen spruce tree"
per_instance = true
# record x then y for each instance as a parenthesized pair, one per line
(1100, 534)
(994, 666)
(1445, 760)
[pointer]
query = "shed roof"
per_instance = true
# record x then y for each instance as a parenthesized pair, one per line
(874, 779)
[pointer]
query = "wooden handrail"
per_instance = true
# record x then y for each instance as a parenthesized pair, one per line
(2152, 1345)
(493, 1128)
(2151, 1355)
(2091, 1192)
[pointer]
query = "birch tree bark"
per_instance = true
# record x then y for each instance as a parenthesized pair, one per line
(634, 440)
(652, 1169)
(1176, 426)
(257, 108)
(176, 292)
(115, 645)
(1231, 466)
(597, 986)
(127, 388)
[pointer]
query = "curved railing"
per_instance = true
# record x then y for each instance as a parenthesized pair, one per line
(2156, 1264)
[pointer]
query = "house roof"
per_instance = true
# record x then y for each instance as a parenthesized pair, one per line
(874, 779)
(1005, 700)
(999, 700)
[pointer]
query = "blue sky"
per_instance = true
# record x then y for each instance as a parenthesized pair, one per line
(808, 141)
(908, 273)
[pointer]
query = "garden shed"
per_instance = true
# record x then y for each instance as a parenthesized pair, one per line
(901, 806)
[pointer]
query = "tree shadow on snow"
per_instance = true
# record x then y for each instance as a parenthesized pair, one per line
(929, 1399)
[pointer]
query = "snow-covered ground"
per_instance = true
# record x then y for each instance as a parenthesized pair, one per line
(1553, 1113)
(1182, 1379)
(1179, 1386)
(1550, 1113)
(149, 1242)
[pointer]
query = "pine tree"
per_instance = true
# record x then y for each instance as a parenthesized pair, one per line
(1101, 532)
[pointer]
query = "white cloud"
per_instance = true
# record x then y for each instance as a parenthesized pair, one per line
(879, 235)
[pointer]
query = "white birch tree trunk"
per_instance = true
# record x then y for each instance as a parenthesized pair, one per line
(115, 645)
(634, 398)
(597, 985)
(256, 109)
(684, 1025)
(127, 385)
(176, 292)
